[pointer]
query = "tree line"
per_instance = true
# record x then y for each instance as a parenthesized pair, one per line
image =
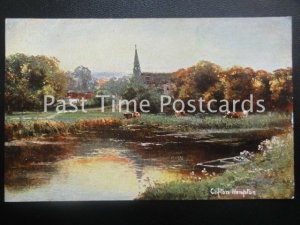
(29, 78)
(210, 81)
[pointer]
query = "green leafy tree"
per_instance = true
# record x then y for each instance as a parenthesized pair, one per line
(84, 79)
(116, 86)
(29, 78)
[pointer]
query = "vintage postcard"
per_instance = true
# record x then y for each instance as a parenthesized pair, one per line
(148, 109)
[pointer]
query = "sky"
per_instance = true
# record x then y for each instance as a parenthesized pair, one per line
(164, 45)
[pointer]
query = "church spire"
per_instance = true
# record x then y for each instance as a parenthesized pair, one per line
(136, 64)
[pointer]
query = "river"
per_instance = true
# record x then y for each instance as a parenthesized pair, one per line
(92, 166)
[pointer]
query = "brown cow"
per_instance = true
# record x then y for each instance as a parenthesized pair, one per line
(179, 113)
(129, 115)
(236, 115)
(136, 115)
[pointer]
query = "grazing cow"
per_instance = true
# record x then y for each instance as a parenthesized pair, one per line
(136, 115)
(227, 114)
(236, 115)
(129, 115)
(179, 113)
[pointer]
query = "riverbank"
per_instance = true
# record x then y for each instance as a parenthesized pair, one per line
(270, 175)
(23, 129)
(167, 144)
(38, 124)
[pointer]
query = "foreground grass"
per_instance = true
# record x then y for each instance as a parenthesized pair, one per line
(270, 174)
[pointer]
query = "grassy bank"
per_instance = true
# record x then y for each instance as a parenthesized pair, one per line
(270, 174)
(15, 130)
(64, 117)
(217, 121)
(27, 124)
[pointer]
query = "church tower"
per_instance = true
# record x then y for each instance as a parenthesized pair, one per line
(136, 65)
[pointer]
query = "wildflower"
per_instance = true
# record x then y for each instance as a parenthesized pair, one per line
(204, 171)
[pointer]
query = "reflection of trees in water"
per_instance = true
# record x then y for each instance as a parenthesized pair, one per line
(185, 154)
(18, 179)
(32, 166)
(29, 166)
(180, 150)
(138, 163)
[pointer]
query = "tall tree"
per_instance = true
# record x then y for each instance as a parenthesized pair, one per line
(281, 87)
(29, 78)
(84, 79)
(205, 76)
(238, 83)
(261, 87)
(193, 82)
(116, 86)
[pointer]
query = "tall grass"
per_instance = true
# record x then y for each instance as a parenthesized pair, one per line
(49, 127)
(270, 174)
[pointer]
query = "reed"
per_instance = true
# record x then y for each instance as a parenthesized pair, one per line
(16, 130)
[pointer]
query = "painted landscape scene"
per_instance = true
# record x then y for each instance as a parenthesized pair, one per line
(148, 109)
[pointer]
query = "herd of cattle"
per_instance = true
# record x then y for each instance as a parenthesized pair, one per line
(228, 114)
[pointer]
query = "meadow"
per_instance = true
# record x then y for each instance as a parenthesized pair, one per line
(28, 124)
(216, 121)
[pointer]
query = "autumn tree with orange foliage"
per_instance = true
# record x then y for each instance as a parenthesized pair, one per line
(281, 87)
(261, 85)
(238, 84)
(210, 81)
(195, 81)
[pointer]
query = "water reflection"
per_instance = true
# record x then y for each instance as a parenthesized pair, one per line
(33, 164)
(93, 168)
